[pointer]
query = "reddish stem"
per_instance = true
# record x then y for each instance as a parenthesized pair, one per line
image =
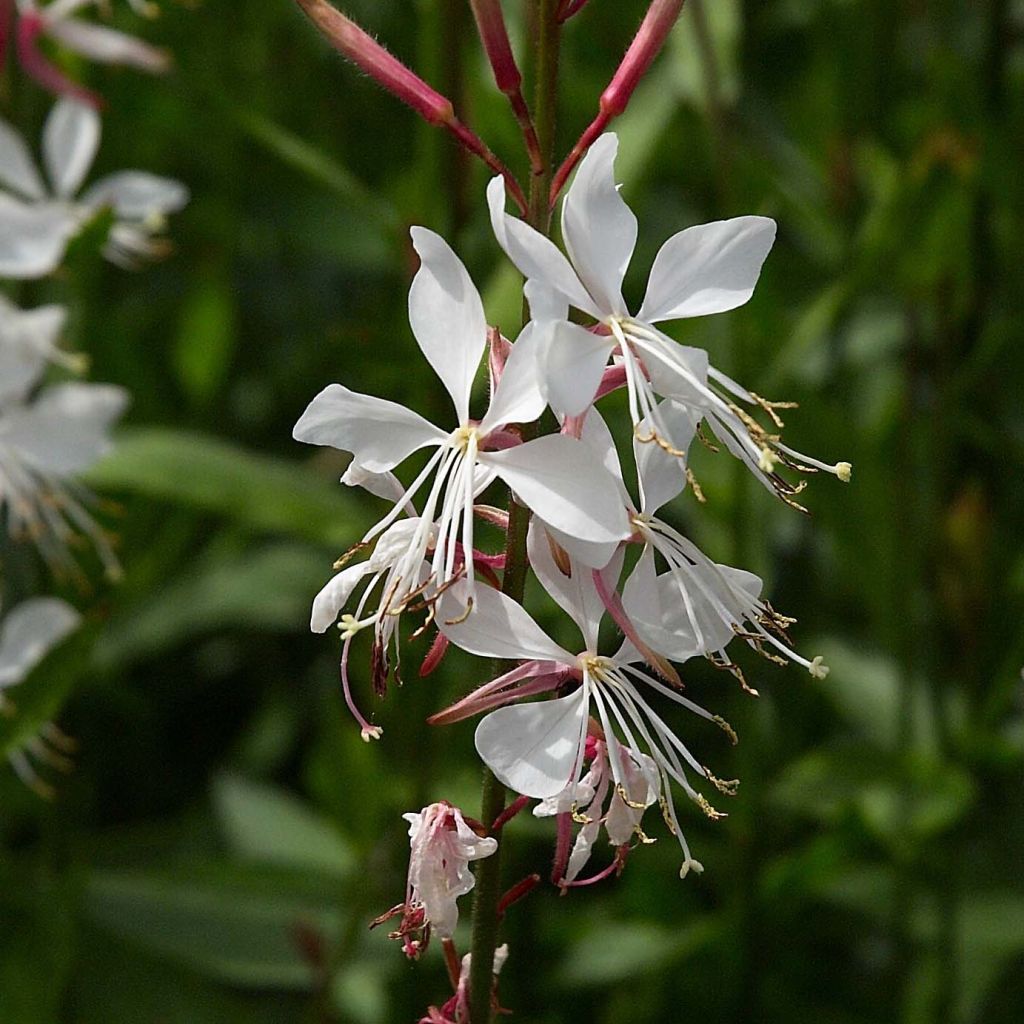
(646, 45)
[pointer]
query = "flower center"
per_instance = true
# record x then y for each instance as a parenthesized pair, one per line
(596, 666)
(462, 436)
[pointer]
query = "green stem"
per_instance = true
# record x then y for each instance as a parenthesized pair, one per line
(487, 892)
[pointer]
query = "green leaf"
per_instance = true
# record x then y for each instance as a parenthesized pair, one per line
(207, 336)
(213, 475)
(267, 824)
(268, 589)
(239, 927)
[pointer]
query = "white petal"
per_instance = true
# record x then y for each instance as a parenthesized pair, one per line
(17, 168)
(572, 361)
(663, 475)
(28, 632)
(497, 627)
(378, 433)
(333, 597)
(67, 428)
(553, 478)
(536, 257)
(575, 594)
(381, 485)
(32, 239)
(518, 398)
(532, 748)
(594, 555)
(447, 317)
(137, 195)
(28, 338)
(598, 228)
(709, 268)
(545, 302)
(71, 136)
(109, 46)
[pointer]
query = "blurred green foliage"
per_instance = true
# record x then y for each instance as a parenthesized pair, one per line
(226, 837)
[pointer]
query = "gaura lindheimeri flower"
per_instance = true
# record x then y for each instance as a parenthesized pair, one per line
(442, 845)
(538, 749)
(28, 341)
(95, 42)
(710, 268)
(46, 217)
(45, 442)
(27, 634)
(596, 803)
(697, 606)
(546, 474)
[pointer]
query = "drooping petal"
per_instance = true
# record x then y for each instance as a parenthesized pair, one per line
(552, 476)
(378, 433)
(17, 168)
(574, 592)
(594, 555)
(497, 627)
(334, 596)
(532, 748)
(137, 195)
(709, 268)
(67, 428)
(28, 339)
(536, 257)
(30, 630)
(572, 360)
(662, 475)
(518, 398)
(32, 238)
(71, 136)
(447, 317)
(109, 46)
(598, 227)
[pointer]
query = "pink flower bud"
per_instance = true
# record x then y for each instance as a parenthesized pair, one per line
(491, 24)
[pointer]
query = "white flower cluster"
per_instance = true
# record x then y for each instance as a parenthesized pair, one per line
(51, 432)
(599, 749)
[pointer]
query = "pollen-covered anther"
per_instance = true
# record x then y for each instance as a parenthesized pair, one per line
(711, 812)
(772, 407)
(691, 865)
(818, 668)
(350, 554)
(666, 814)
(766, 460)
(637, 805)
(645, 839)
(728, 787)
(698, 491)
(661, 442)
(461, 618)
(579, 817)
(370, 732)
(726, 728)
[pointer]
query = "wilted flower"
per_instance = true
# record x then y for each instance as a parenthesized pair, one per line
(38, 220)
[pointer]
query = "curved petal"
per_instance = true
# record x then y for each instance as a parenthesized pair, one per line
(137, 195)
(17, 168)
(29, 632)
(536, 257)
(572, 360)
(378, 433)
(447, 317)
(662, 476)
(497, 627)
(545, 302)
(67, 428)
(598, 228)
(518, 398)
(71, 137)
(109, 46)
(552, 476)
(532, 748)
(334, 596)
(709, 268)
(32, 239)
(592, 554)
(28, 338)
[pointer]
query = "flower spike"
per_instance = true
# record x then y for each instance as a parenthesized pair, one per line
(388, 71)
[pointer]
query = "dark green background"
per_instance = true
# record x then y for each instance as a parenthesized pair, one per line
(226, 837)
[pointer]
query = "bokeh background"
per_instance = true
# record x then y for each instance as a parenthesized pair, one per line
(225, 838)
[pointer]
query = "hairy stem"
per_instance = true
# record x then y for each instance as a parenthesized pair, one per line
(488, 876)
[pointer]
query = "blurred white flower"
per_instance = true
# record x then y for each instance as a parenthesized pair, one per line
(38, 217)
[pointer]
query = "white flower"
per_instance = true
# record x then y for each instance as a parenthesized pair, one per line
(45, 442)
(538, 749)
(596, 803)
(28, 341)
(547, 474)
(710, 268)
(442, 847)
(27, 634)
(37, 219)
